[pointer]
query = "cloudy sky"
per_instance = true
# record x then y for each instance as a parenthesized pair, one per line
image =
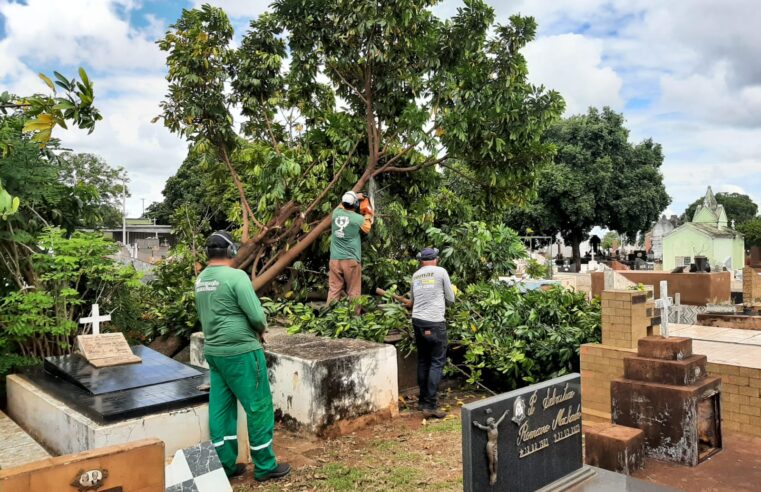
(685, 73)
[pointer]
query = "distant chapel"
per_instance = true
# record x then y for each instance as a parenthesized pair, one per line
(707, 234)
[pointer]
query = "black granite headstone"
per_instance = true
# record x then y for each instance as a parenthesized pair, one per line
(111, 394)
(525, 439)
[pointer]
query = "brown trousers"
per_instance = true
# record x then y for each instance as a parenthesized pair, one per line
(344, 273)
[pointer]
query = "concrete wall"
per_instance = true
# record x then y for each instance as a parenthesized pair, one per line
(686, 241)
(697, 289)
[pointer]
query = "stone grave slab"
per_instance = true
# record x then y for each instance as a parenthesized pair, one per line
(155, 368)
(107, 349)
(530, 439)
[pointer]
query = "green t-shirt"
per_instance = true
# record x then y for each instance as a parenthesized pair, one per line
(345, 242)
(230, 313)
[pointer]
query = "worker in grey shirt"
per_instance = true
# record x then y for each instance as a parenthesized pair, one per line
(431, 292)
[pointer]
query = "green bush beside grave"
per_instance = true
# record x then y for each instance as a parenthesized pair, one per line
(498, 336)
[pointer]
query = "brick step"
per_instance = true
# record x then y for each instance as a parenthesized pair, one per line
(614, 447)
(657, 347)
(673, 372)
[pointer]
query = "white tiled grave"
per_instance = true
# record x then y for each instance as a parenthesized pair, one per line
(196, 469)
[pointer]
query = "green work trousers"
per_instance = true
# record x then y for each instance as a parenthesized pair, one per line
(242, 377)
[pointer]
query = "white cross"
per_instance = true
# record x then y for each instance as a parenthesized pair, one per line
(663, 304)
(95, 319)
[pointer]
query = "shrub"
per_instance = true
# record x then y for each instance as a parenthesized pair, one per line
(71, 273)
(498, 336)
(508, 339)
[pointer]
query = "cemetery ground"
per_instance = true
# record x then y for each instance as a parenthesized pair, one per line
(405, 453)
(409, 453)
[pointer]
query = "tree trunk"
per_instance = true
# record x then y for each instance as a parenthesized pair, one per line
(576, 249)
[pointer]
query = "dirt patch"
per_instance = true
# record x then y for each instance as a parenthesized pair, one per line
(403, 454)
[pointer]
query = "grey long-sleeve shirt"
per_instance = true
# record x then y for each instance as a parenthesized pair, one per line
(431, 291)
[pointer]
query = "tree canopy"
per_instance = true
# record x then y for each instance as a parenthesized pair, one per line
(751, 229)
(381, 91)
(598, 178)
(740, 208)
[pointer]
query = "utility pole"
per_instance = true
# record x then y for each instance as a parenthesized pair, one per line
(142, 216)
(124, 213)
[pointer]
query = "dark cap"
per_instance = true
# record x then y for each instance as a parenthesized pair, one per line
(428, 254)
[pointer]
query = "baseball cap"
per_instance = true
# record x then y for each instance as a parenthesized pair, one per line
(428, 254)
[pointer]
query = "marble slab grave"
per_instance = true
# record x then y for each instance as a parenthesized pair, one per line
(112, 394)
(155, 368)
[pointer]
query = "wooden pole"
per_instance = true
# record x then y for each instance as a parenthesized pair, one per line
(401, 299)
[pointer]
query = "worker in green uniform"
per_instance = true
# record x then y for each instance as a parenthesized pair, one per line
(345, 267)
(233, 324)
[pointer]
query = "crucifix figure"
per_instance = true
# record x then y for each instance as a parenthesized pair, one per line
(492, 435)
(95, 318)
(664, 303)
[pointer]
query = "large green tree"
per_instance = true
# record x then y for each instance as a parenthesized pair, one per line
(751, 229)
(373, 91)
(740, 208)
(598, 178)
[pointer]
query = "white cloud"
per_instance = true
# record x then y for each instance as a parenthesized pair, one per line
(572, 64)
(75, 32)
(128, 77)
(126, 137)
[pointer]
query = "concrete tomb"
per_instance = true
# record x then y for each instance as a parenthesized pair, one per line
(530, 439)
(70, 406)
(667, 393)
(325, 386)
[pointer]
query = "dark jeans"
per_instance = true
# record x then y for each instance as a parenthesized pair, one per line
(431, 342)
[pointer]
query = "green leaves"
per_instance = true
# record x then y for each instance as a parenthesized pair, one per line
(43, 112)
(8, 204)
(511, 339)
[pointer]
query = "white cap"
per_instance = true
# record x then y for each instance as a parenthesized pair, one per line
(349, 198)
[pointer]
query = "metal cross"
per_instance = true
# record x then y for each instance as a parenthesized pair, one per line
(95, 318)
(664, 303)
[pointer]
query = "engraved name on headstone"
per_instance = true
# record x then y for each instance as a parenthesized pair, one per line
(538, 443)
(106, 349)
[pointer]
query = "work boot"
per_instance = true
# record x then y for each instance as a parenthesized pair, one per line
(282, 470)
(434, 413)
(240, 468)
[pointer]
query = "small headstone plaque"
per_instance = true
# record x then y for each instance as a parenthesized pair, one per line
(525, 439)
(106, 349)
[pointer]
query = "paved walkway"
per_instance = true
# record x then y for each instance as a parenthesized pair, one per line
(17, 447)
(723, 345)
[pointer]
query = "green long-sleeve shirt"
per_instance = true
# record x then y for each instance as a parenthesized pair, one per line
(230, 313)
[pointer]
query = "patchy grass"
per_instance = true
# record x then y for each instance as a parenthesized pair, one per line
(405, 454)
